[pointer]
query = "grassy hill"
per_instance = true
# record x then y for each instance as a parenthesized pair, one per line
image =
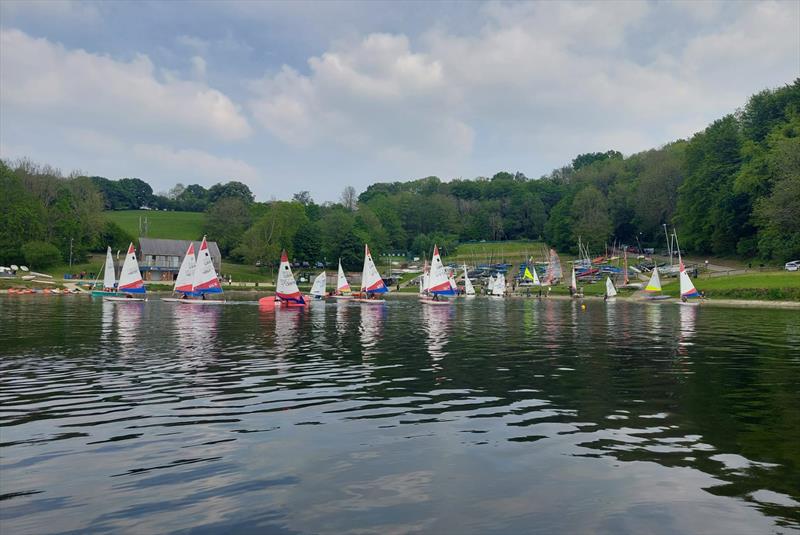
(174, 225)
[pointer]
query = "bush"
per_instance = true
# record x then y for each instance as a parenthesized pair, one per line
(113, 235)
(41, 255)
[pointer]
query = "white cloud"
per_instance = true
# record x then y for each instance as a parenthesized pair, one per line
(545, 78)
(196, 163)
(44, 78)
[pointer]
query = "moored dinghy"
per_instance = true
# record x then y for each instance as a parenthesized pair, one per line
(130, 280)
(371, 281)
(183, 282)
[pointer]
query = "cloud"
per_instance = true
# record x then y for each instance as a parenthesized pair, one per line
(196, 163)
(43, 78)
(546, 78)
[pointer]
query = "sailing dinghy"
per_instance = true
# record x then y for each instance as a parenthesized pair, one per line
(109, 278)
(183, 282)
(440, 283)
(318, 288)
(204, 280)
(130, 280)
(371, 281)
(286, 290)
(653, 288)
(688, 291)
(342, 286)
(469, 290)
(497, 286)
(611, 291)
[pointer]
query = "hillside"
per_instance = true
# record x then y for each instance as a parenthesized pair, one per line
(174, 225)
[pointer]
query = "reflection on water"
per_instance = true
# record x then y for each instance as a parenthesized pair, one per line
(487, 416)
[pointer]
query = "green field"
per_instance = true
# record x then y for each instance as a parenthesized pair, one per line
(172, 225)
(769, 285)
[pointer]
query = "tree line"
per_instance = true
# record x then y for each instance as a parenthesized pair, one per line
(731, 189)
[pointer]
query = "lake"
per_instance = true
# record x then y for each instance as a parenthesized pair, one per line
(488, 416)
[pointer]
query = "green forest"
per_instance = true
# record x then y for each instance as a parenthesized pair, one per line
(732, 189)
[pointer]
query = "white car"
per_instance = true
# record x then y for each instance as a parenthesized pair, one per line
(794, 265)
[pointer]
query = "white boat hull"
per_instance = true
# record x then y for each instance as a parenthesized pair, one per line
(125, 299)
(689, 303)
(432, 302)
(370, 301)
(171, 299)
(201, 301)
(343, 297)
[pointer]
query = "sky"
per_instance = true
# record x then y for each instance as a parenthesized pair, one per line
(292, 96)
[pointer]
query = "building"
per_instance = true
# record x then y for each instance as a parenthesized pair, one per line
(160, 260)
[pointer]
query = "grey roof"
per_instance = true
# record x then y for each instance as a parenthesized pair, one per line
(155, 246)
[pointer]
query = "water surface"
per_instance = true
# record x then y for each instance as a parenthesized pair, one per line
(489, 416)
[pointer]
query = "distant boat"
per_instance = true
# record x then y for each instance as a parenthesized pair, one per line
(424, 280)
(574, 284)
(130, 284)
(318, 288)
(531, 276)
(553, 273)
(286, 290)
(183, 282)
(371, 281)
(611, 291)
(342, 286)
(497, 286)
(204, 280)
(440, 283)
(469, 290)
(109, 278)
(688, 291)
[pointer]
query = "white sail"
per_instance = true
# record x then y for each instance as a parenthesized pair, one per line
(109, 276)
(286, 288)
(130, 278)
(655, 282)
(204, 279)
(499, 286)
(423, 279)
(342, 286)
(687, 287)
(318, 288)
(439, 280)
(610, 290)
(574, 283)
(184, 280)
(371, 281)
(468, 288)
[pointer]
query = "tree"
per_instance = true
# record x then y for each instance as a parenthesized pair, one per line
(307, 243)
(348, 198)
(21, 217)
(230, 189)
(41, 255)
(275, 230)
(303, 197)
(176, 191)
(137, 190)
(590, 220)
(226, 221)
(583, 160)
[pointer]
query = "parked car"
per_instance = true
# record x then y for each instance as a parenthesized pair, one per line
(794, 265)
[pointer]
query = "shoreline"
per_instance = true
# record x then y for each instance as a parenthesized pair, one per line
(732, 303)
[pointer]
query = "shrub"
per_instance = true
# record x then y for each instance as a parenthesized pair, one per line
(40, 255)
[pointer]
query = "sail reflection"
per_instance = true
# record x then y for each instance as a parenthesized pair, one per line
(106, 321)
(287, 323)
(195, 328)
(436, 320)
(129, 319)
(688, 318)
(371, 328)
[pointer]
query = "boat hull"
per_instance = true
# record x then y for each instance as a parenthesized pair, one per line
(370, 301)
(125, 299)
(689, 303)
(201, 301)
(435, 303)
(343, 297)
(101, 293)
(657, 298)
